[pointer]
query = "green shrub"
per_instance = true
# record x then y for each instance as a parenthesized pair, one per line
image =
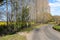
(13, 28)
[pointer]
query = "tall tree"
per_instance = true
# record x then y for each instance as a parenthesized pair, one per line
(25, 16)
(7, 10)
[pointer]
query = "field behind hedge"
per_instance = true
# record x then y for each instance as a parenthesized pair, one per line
(3, 23)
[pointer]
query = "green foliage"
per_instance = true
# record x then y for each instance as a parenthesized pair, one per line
(22, 20)
(10, 29)
(25, 14)
(7, 30)
(25, 17)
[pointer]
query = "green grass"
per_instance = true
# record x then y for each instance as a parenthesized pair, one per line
(57, 27)
(13, 37)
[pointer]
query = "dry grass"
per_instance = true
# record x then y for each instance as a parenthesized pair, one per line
(38, 25)
(13, 37)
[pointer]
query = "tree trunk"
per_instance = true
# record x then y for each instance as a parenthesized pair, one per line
(7, 10)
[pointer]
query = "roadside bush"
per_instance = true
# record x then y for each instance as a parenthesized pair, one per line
(13, 28)
(6, 30)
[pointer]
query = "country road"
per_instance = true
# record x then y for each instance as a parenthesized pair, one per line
(44, 33)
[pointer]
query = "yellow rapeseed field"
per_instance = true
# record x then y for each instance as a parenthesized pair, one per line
(3, 23)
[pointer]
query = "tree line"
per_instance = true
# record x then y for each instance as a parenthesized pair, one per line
(18, 18)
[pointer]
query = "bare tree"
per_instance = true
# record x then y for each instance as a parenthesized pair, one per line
(7, 10)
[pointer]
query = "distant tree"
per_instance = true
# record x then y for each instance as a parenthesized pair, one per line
(57, 19)
(46, 17)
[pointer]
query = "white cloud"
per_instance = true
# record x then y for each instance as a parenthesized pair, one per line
(55, 7)
(58, 0)
(56, 4)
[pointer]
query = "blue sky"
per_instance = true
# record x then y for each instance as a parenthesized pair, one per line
(54, 7)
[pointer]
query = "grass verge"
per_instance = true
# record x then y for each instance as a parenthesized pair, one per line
(38, 25)
(57, 28)
(13, 37)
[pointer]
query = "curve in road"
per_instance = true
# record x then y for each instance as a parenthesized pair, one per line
(44, 33)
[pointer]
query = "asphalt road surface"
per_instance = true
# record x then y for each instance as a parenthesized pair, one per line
(44, 33)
